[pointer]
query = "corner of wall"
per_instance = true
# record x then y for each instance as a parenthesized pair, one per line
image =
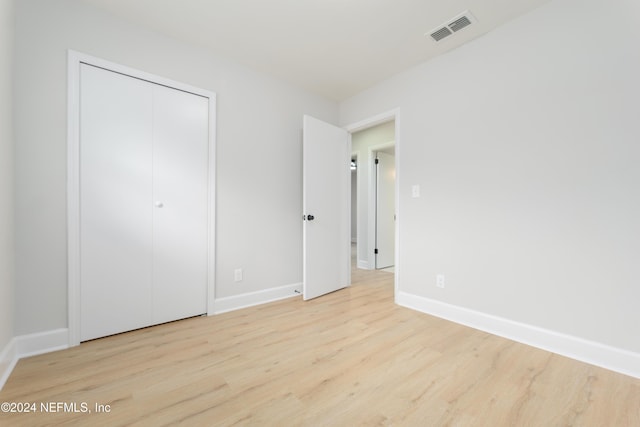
(7, 191)
(30, 345)
(8, 360)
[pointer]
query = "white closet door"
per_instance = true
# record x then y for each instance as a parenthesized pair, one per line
(180, 164)
(143, 203)
(115, 202)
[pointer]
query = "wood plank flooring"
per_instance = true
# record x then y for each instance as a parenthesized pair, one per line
(351, 358)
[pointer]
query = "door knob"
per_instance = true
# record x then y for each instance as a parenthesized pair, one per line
(310, 217)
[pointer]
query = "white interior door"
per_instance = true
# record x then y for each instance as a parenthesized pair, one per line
(116, 210)
(385, 210)
(180, 164)
(326, 208)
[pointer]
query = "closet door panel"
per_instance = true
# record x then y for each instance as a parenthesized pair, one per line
(180, 165)
(115, 202)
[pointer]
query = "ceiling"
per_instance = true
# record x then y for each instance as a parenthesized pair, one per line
(335, 48)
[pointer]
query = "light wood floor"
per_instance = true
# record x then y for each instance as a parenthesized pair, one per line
(346, 359)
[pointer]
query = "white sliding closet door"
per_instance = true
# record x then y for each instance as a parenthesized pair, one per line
(143, 203)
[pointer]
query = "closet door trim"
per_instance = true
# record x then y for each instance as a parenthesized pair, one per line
(74, 60)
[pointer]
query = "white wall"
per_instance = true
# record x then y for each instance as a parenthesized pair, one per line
(361, 142)
(6, 178)
(525, 143)
(259, 193)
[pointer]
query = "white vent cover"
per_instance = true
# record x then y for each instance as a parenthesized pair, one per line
(453, 25)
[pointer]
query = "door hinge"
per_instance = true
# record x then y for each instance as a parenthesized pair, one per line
(377, 161)
(375, 251)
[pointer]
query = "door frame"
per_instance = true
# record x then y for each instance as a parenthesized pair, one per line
(361, 231)
(74, 59)
(372, 210)
(354, 154)
(366, 123)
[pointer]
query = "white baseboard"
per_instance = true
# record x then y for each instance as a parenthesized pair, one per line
(363, 264)
(594, 353)
(30, 345)
(236, 302)
(42, 342)
(8, 360)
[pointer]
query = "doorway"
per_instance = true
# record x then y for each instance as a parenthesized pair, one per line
(370, 137)
(354, 206)
(385, 209)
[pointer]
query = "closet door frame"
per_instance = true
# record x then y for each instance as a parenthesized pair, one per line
(74, 61)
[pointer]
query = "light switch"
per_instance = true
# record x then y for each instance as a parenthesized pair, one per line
(415, 191)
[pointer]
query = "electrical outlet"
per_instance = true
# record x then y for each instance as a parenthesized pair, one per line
(440, 280)
(237, 275)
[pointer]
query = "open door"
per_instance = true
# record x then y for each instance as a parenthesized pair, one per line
(326, 208)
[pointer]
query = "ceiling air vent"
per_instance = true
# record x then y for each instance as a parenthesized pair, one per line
(459, 24)
(441, 33)
(453, 25)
